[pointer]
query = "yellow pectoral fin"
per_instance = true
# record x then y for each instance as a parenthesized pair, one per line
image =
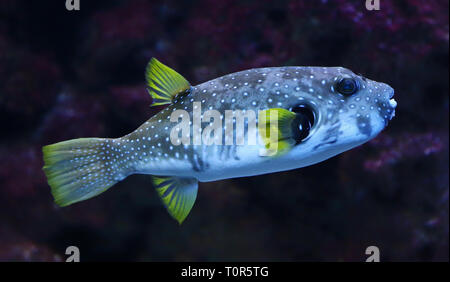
(164, 83)
(275, 130)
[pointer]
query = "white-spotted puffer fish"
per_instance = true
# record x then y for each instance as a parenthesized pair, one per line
(303, 115)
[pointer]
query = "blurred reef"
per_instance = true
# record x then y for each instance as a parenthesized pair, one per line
(78, 74)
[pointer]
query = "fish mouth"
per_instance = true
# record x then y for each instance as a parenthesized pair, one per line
(392, 102)
(393, 105)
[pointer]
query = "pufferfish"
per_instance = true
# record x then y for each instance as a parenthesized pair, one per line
(299, 115)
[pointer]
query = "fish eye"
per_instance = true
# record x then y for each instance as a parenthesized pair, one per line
(347, 86)
(303, 122)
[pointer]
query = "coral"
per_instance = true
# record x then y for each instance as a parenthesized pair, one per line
(404, 147)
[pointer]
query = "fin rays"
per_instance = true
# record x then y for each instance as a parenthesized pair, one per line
(275, 130)
(164, 83)
(178, 195)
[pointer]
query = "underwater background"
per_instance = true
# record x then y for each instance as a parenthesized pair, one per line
(71, 74)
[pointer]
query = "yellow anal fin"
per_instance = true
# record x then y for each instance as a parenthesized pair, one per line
(164, 83)
(178, 194)
(275, 130)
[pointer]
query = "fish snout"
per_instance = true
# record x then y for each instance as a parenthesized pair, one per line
(386, 104)
(392, 102)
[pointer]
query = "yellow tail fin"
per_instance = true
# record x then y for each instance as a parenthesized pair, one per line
(79, 169)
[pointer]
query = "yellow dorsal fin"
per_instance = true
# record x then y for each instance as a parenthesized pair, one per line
(164, 83)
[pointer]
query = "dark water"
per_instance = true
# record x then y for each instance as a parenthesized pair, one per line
(75, 74)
